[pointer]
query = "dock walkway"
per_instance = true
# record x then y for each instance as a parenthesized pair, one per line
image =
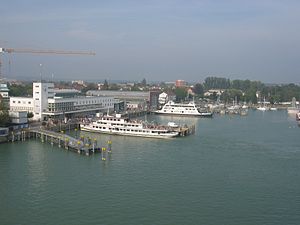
(64, 140)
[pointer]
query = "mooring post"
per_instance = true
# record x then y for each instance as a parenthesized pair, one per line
(12, 136)
(87, 151)
(103, 153)
(67, 143)
(109, 142)
(76, 133)
(78, 145)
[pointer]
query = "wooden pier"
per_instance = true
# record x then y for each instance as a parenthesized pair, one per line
(185, 130)
(83, 145)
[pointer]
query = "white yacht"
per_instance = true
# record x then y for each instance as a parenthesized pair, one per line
(123, 126)
(263, 107)
(294, 109)
(182, 109)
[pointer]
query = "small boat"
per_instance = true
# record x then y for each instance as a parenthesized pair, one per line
(294, 109)
(173, 124)
(273, 109)
(263, 107)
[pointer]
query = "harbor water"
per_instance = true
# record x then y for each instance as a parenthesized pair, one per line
(234, 170)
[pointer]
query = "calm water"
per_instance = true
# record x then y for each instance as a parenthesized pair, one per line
(234, 170)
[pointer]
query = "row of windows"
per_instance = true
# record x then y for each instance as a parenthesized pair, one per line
(93, 102)
(16, 108)
(23, 102)
(126, 125)
(117, 129)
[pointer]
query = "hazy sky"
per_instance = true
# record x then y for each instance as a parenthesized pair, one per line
(154, 39)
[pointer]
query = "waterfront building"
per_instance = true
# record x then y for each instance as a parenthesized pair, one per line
(153, 99)
(180, 83)
(60, 103)
(217, 92)
(4, 95)
(4, 90)
(146, 98)
(163, 98)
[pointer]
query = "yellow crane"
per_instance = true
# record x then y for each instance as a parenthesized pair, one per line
(37, 51)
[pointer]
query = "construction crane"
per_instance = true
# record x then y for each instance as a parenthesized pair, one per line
(35, 51)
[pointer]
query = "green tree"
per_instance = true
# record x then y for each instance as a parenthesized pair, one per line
(4, 115)
(89, 86)
(198, 89)
(29, 115)
(180, 93)
(20, 90)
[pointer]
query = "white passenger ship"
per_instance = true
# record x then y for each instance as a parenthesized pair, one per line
(183, 109)
(124, 126)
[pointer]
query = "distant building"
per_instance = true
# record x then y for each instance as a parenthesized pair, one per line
(153, 100)
(80, 82)
(4, 91)
(210, 92)
(180, 83)
(163, 98)
(59, 103)
(4, 94)
(190, 91)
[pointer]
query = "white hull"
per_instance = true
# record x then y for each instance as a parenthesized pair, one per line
(182, 109)
(177, 114)
(134, 134)
(262, 109)
(123, 126)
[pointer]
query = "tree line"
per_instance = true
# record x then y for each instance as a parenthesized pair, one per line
(246, 90)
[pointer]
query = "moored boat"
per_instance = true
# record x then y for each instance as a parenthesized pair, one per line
(182, 109)
(123, 126)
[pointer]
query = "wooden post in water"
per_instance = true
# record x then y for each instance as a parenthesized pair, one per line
(87, 151)
(103, 153)
(109, 142)
(12, 136)
(78, 144)
(76, 133)
(67, 143)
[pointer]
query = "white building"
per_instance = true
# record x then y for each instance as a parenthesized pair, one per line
(21, 104)
(210, 92)
(45, 104)
(4, 90)
(163, 98)
(41, 93)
